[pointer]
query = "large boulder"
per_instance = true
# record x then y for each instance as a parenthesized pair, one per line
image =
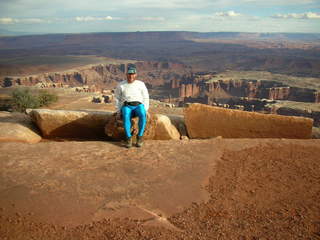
(17, 127)
(164, 129)
(70, 124)
(158, 127)
(205, 121)
(114, 127)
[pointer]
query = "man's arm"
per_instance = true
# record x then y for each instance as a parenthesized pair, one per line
(145, 95)
(118, 99)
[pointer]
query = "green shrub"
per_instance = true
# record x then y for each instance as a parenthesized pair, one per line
(23, 99)
(46, 98)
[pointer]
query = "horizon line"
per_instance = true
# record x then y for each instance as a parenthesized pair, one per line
(16, 34)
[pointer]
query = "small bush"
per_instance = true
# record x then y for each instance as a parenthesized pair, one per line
(23, 99)
(46, 98)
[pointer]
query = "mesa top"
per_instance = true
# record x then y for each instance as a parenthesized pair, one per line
(131, 92)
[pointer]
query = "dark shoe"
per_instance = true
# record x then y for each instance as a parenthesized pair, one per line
(139, 141)
(129, 142)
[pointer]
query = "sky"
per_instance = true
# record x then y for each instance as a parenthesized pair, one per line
(80, 16)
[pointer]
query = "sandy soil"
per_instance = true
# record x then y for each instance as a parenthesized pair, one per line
(190, 189)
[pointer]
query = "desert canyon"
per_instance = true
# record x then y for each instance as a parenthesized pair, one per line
(232, 143)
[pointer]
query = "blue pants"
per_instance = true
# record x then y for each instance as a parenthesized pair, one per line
(129, 112)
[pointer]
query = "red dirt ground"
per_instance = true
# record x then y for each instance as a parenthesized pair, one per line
(197, 189)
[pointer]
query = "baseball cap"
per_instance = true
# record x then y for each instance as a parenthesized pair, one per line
(131, 70)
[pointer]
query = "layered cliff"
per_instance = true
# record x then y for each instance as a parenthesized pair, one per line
(101, 75)
(263, 89)
(88, 75)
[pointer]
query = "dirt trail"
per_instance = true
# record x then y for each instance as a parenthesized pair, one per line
(198, 189)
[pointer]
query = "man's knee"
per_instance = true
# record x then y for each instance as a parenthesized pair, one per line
(125, 112)
(141, 112)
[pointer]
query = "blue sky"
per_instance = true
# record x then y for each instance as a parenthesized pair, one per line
(66, 16)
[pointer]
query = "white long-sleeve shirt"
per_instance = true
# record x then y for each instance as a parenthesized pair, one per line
(131, 92)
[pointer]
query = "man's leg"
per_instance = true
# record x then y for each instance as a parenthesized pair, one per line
(140, 111)
(126, 118)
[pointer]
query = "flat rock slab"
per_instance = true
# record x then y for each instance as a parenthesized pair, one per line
(205, 121)
(16, 132)
(17, 127)
(70, 124)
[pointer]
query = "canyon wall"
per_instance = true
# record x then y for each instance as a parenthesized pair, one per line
(90, 75)
(263, 89)
(101, 75)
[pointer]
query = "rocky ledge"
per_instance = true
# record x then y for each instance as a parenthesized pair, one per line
(199, 121)
(88, 124)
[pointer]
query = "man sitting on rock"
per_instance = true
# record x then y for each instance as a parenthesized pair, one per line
(132, 99)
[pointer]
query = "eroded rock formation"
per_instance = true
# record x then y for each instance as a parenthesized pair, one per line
(210, 85)
(101, 76)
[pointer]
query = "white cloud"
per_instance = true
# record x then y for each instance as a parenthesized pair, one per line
(89, 18)
(227, 14)
(160, 4)
(32, 20)
(7, 21)
(22, 20)
(152, 19)
(149, 15)
(308, 15)
(85, 19)
(65, 8)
